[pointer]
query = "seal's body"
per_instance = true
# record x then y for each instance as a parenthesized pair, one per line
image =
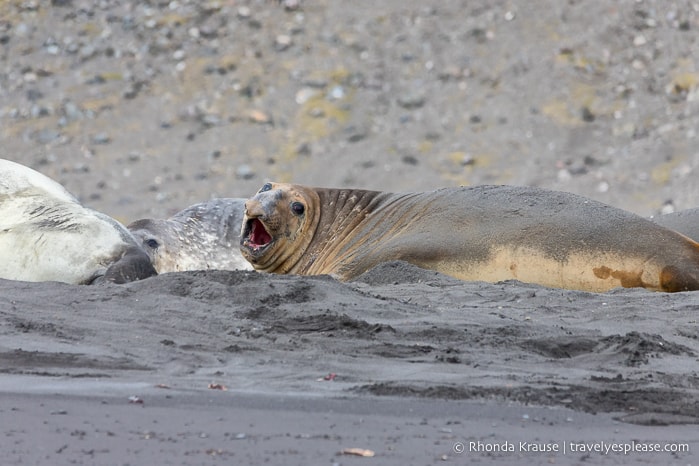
(47, 235)
(486, 233)
(684, 221)
(203, 236)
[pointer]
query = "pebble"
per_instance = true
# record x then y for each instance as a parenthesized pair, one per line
(245, 172)
(258, 116)
(46, 136)
(282, 42)
(336, 93)
(101, 138)
(304, 95)
(356, 134)
(315, 83)
(210, 120)
(244, 12)
(72, 112)
(291, 5)
(411, 101)
(639, 40)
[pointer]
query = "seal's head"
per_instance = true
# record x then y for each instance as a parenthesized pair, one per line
(279, 224)
(203, 236)
(154, 236)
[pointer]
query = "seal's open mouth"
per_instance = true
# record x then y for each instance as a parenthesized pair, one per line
(255, 236)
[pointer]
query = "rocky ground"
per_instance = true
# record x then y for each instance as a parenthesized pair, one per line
(143, 108)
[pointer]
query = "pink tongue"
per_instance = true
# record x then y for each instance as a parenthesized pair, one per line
(259, 236)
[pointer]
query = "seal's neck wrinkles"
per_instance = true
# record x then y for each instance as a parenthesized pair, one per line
(340, 206)
(343, 214)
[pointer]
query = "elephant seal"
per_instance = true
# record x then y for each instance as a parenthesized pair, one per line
(204, 236)
(47, 235)
(483, 233)
(684, 221)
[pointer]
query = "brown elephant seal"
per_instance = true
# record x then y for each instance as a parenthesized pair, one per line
(204, 236)
(483, 233)
(47, 235)
(684, 221)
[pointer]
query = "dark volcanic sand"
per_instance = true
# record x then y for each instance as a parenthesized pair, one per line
(144, 108)
(422, 361)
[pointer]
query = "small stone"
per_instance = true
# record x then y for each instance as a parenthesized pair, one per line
(245, 172)
(46, 136)
(131, 92)
(410, 160)
(39, 111)
(72, 111)
(244, 12)
(467, 160)
(411, 101)
(304, 95)
(639, 40)
(87, 52)
(316, 112)
(258, 116)
(356, 134)
(101, 138)
(304, 149)
(210, 120)
(336, 93)
(667, 208)
(33, 95)
(291, 5)
(282, 42)
(315, 83)
(587, 115)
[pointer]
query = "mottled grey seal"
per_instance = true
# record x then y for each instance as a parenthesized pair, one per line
(487, 233)
(204, 236)
(684, 221)
(47, 235)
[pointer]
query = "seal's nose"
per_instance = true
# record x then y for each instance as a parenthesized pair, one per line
(263, 204)
(253, 208)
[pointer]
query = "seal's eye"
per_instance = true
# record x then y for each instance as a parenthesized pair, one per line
(298, 208)
(265, 187)
(152, 243)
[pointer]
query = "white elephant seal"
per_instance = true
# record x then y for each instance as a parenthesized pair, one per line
(47, 235)
(683, 221)
(483, 233)
(204, 236)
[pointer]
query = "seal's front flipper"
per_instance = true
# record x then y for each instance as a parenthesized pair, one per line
(134, 265)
